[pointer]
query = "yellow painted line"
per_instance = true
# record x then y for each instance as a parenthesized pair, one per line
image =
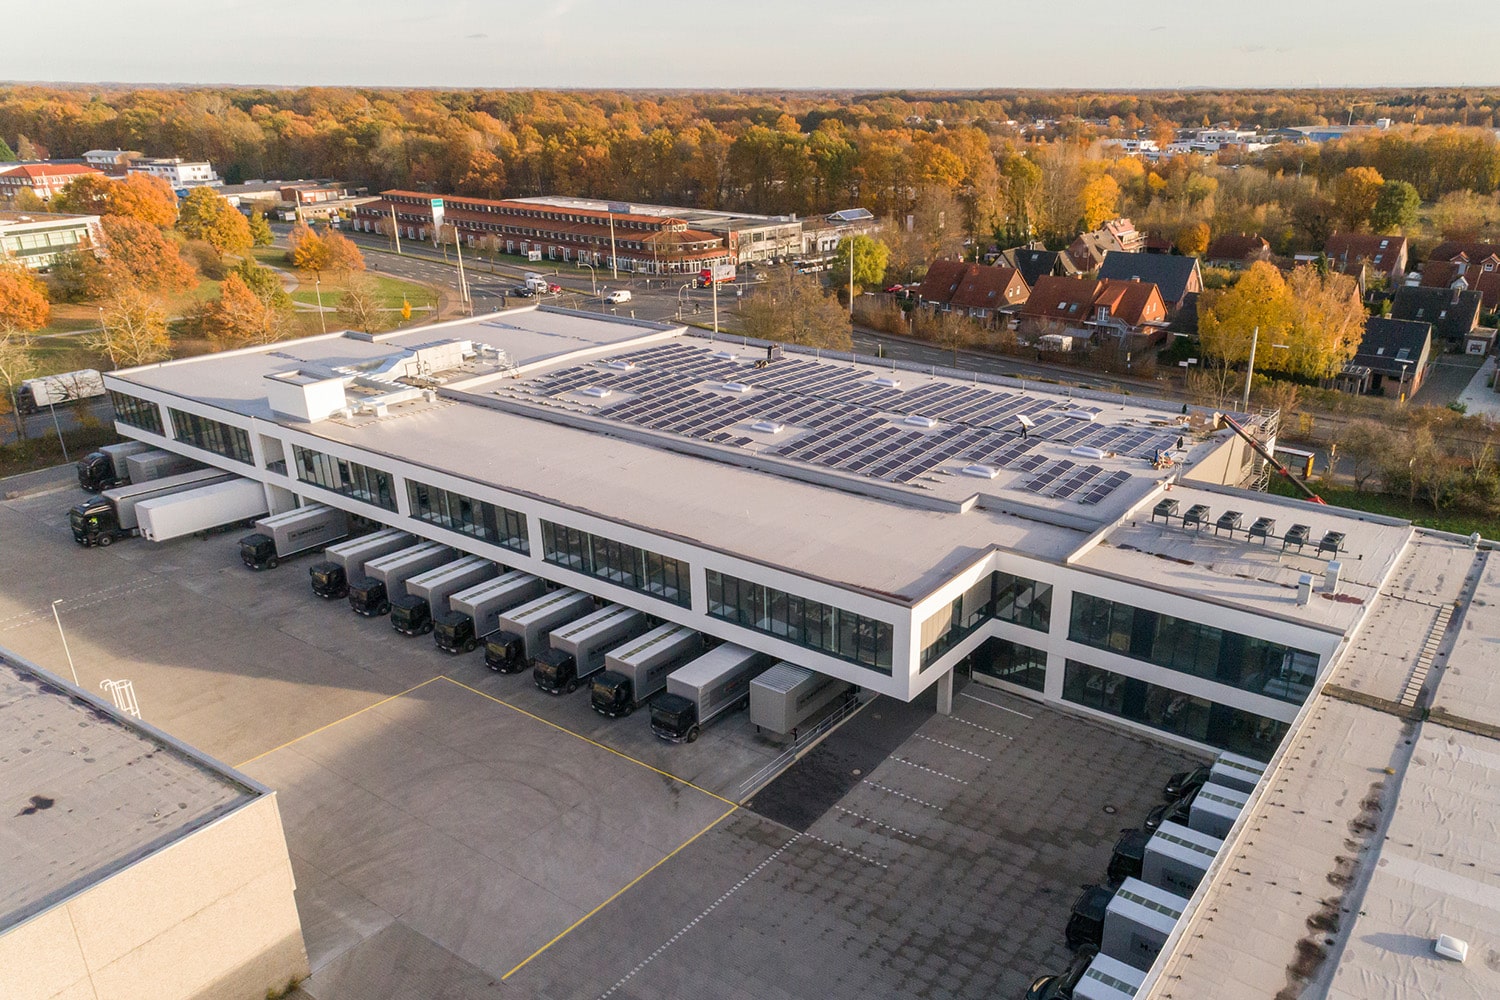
(580, 736)
(623, 889)
(346, 718)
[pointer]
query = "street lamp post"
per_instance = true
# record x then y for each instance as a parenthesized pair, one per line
(64, 638)
(1400, 386)
(684, 288)
(1250, 367)
(318, 291)
(593, 284)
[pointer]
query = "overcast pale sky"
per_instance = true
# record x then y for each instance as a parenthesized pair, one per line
(764, 43)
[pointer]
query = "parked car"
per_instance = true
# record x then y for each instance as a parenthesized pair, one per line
(1086, 922)
(1175, 811)
(554, 288)
(1061, 987)
(1185, 782)
(895, 288)
(617, 297)
(524, 291)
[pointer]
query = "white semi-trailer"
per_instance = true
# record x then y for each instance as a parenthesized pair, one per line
(292, 532)
(105, 469)
(716, 683)
(208, 508)
(524, 628)
(428, 593)
(786, 696)
(637, 670)
(144, 466)
(112, 514)
(576, 651)
(385, 578)
(474, 614)
(57, 390)
(345, 561)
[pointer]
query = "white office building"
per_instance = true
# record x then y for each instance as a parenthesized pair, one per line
(177, 172)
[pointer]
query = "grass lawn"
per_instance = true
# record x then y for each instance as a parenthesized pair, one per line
(1393, 506)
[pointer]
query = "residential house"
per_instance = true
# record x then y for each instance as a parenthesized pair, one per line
(1118, 308)
(1088, 250)
(42, 179)
(979, 291)
(1237, 250)
(1351, 253)
(1177, 277)
(1397, 353)
(1453, 312)
(1035, 261)
(1466, 265)
(1127, 308)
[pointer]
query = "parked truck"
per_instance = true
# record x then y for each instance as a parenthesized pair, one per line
(154, 463)
(105, 469)
(112, 514)
(716, 683)
(291, 533)
(331, 576)
(57, 390)
(786, 696)
(637, 670)
(525, 627)
(474, 614)
(428, 593)
(576, 651)
(385, 578)
(205, 509)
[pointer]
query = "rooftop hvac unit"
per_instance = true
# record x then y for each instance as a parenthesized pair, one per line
(981, 471)
(915, 420)
(887, 383)
(595, 391)
(767, 427)
(1080, 414)
(619, 366)
(724, 356)
(734, 387)
(1085, 451)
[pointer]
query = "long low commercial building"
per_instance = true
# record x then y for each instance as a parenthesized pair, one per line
(887, 527)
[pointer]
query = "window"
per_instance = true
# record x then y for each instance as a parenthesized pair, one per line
(212, 435)
(498, 525)
(809, 623)
(136, 412)
(1010, 662)
(349, 478)
(617, 562)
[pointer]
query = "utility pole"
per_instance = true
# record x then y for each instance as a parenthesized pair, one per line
(395, 230)
(715, 283)
(851, 279)
(1250, 370)
(614, 261)
(463, 283)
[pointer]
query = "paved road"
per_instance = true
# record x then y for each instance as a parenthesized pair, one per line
(40, 424)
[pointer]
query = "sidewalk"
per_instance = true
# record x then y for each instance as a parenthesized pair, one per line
(1479, 397)
(41, 481)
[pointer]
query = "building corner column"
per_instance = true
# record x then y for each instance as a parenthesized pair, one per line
(945, 693)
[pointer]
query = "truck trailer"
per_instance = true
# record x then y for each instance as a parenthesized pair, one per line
(105, 469)
(577, 650)
(1138, 921)
(637, 670)
(428, 593)
(207, 508)
(57, 390)
(1177, 858)
(474, 614)
(716, 683)
(525, 627)
(385, 578)
(284, 535)
(154, 463)
(786, 696)
(112, 514)
(345, 561)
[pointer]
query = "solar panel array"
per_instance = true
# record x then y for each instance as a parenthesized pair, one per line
(842, 419)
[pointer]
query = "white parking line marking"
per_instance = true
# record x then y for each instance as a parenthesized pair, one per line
(694, 922)
(987, 729)
(101, 596)
(902, 795)
(876, 822)
(922, 767)
(951, 746)
(852, 854)
(965, 694)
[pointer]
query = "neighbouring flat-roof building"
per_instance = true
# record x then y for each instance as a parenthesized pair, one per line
(179, 173)
(38, 239)
(42, 179)
(131, 864)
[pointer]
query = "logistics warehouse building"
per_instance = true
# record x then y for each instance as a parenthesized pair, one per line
(877, 525)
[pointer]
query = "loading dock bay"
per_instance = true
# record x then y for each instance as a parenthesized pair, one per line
(462, 834)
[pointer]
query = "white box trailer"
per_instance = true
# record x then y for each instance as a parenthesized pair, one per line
(111, 515)
(427, 593)
(524, 628)
(55, 390)
(105, 468)
(713, 685)
(786, 696)
(207, 508)
(1177, 857)
(474, 614)
(144, 466)
(281, 536)
(345, 561)
(1138, 921)
(1109, 979)
(1240, 773)
(576, 650)
(637, 670)
(385, 578)
(1215, 808)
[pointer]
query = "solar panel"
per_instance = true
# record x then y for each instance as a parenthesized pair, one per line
(1104, 488)
(1076, 481)
(1047, 476)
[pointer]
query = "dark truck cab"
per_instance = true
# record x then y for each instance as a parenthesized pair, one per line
(1061, 987)
(1086, 922)
(258, 551)
(368, 598)
(96, 472)
(505, 653)
(1129, 855)
(555, 671)
(411, 615)
(674, 718)
(612, 694)
(95, 522)
(453, 631)
(329, 580)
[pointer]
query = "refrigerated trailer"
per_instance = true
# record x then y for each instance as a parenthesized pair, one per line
(111, 515)
(105, 469)
(524, 628)
(786, 696)
(1215, 808)
(1240, 773)
(1177, 857)
(144, 466)
(205, 509)
(56, 390)
(284, 535)
(427, 594)
(345, 561)
(385, 578)
(1138, 922)
(577, 650)
(474, 614)
(1109, 979)
(637, 670)
(716, 683)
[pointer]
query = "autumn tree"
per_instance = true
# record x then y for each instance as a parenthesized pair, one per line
(137, 252)
(1101, 200)
(206, 216)
(339, 252)
(7, 155)
(870, 259)
(134, 330)
(1327, 324)
(1192, 241)
(264, 282)
(1395, 208)
(260, 230)
(135, 196)
(240, 316)
(1355, 192)
(23, 299)
(306, 250)
(17, 364)
(1228, 318)
(360, 307)
(794, 309)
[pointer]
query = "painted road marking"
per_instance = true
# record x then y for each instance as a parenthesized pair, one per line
(987, 729)
(965, 694)
(923, 767)
(346, 718)
(876, 822)
(951, 746)
(902, 795)
(840, 847)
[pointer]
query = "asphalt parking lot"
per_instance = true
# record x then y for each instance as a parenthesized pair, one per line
(457, 833)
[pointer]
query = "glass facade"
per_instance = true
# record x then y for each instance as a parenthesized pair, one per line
(212, 435)
(818, 626)
(617, 562)
(1172, 711)
(1000, 595)
(1010, 662)
(499, 525)
(137, 412)
(349, 478)
(1240, 661)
